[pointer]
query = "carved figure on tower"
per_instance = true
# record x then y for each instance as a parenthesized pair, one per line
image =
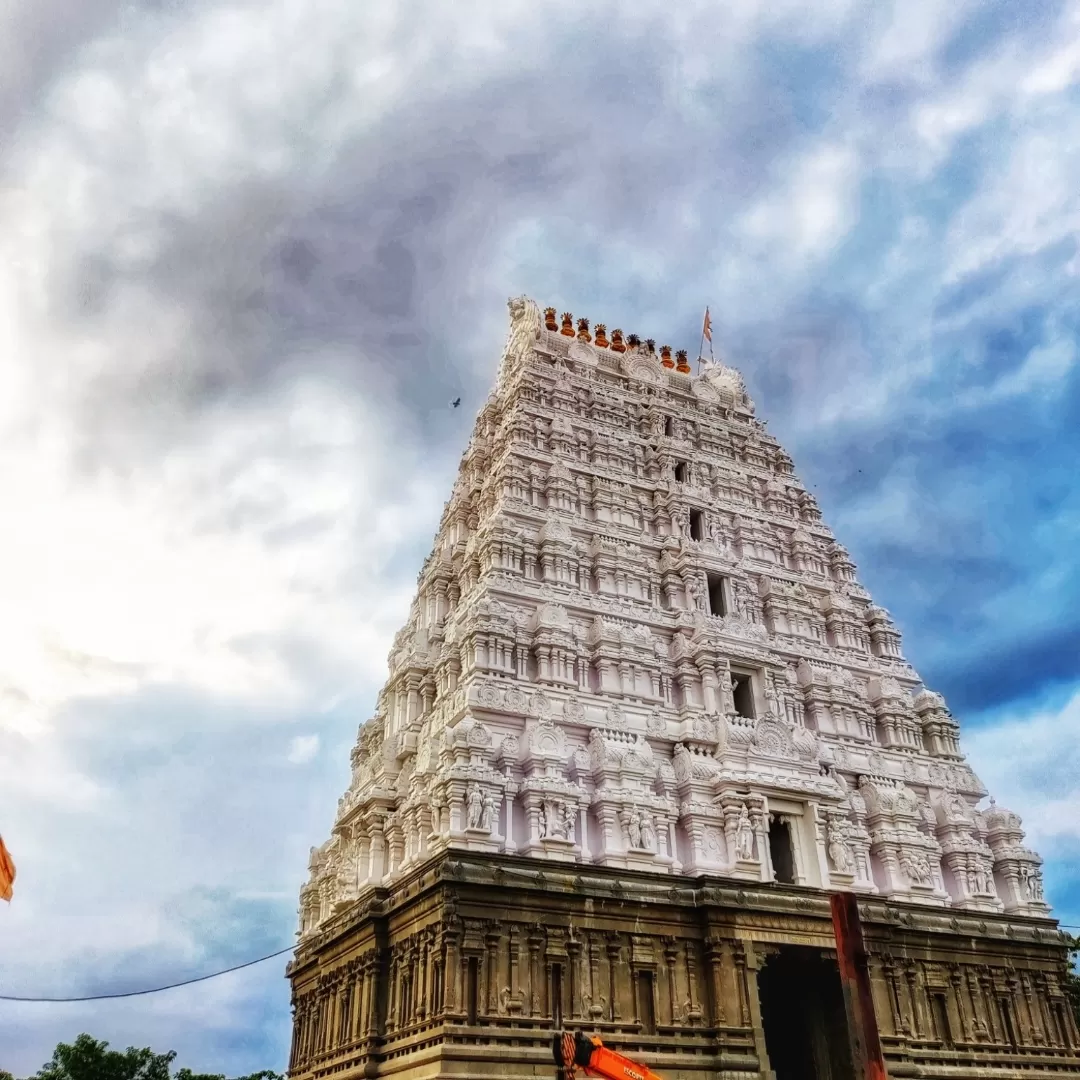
(744, 837)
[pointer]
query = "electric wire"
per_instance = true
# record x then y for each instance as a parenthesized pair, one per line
(155, 989)
(216, 974)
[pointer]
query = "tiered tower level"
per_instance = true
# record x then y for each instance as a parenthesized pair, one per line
(641, 722)
(636, 644)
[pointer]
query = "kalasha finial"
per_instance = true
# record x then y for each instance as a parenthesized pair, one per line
(549, 319)
(567, 324)
(665, 356)
(583, 330)
(617, 341)
(682, 364)
(601, 336)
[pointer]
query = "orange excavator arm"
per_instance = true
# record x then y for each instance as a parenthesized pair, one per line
(576, 1050)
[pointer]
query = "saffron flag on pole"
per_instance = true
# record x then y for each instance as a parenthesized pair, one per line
(7, 872)
(706, 330)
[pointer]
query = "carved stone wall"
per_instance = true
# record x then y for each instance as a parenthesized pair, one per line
(471, 962)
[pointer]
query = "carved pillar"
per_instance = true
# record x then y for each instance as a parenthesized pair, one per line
(343, 1006)
(309, 1029)
(613, 950)
(596, 1008)
(294, 1042)
(979, 1028)
(377, 850)
(491, 970)
(393, 989)
(333, 1014)
(760, 820)
(363, 996)
(1034, 1019)
(574, 975)
(741, 989)
(714, 955)
(536, 939)
(693, 1012)
(323, 1020)
(918, 1020)
(514, 949)
(452, 998)
(956, 978)
(346, 1009)
(508, 828)
(896, 1006)
(990, 1010)
(1021, 1017)
(670, 959)
(301, 1032)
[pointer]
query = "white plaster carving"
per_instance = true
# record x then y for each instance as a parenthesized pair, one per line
(561, 689)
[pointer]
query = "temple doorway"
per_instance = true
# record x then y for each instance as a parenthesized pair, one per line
(803, 1014)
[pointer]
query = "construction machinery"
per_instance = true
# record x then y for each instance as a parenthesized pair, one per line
(576, 1050)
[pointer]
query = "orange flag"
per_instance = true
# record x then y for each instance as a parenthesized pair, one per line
(7, 872)
(706, 330)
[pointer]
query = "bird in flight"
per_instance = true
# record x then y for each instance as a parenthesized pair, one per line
(455, 403)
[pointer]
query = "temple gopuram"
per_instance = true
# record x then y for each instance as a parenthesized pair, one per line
(641, 723)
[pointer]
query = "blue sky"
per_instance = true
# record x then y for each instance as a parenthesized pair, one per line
(250, 251)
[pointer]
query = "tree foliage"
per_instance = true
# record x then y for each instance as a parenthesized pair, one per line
(88, 1058)
(1072, 978)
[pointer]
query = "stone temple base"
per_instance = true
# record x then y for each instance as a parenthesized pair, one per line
(467, 966)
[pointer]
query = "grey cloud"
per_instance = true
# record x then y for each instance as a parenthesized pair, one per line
(383, 259)
(38, 39)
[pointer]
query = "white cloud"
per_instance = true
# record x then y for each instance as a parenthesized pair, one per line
(302, 748)
(1028, 204)
(1011, 81)
(808, 211)
(1030, 762)
(908, 38)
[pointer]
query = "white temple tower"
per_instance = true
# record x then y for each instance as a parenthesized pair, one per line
(636, 647)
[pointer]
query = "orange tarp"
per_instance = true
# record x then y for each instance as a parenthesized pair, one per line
(7, 872)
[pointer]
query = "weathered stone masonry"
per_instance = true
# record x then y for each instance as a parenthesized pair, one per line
(470, 962)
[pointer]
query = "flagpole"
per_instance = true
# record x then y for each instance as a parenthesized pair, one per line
(706, 328)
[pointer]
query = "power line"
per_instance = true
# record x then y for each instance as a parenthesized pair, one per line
(155, 989)
(215, 974)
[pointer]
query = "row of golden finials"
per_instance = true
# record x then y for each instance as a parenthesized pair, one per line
(616, 344)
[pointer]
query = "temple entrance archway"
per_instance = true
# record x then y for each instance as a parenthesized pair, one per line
(803, 1016)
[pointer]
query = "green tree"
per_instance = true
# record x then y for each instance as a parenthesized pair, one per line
(88, 1059)
(5, 1075)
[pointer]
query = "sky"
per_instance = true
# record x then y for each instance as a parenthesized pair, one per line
(249, 252)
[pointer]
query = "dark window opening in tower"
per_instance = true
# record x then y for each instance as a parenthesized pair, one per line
(783, 859)
(717, 597)
(697, 525)
(743, 693)
(682, 472)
